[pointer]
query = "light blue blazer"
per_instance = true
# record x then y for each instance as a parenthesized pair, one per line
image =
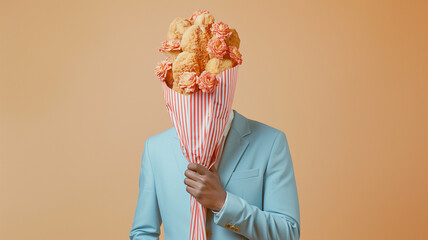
(256, 171)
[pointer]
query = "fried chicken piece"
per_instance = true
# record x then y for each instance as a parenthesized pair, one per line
(216, 65)
(205, 19)
(203, 61)
(169, 80)
(172, 55)
(195, 40)
(185, 62)
(177, 27)
(233, 40)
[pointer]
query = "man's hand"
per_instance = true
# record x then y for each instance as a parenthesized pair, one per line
(205, 186)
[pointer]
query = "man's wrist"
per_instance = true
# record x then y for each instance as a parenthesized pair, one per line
(220, 207)
(221, 203)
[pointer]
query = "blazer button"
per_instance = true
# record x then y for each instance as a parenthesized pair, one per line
(228, 225)
(235, 229)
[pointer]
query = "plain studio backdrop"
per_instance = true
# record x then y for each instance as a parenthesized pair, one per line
(345, 80)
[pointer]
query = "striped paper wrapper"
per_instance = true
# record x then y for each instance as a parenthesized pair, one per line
(200, 120)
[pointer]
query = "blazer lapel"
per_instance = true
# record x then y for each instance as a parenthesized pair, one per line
(233, 150)
(234, 147)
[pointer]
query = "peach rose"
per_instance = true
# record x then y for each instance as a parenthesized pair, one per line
(235, 54)
(170, 45)
(187, 81)
(207, 82)
(217, 47)
(221, 30)
(162, 68)
(196, 14)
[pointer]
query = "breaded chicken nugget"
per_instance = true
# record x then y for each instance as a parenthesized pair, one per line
(177, 27)
(185, 62)
(172, 55)
(233, 40)
(169, 80)
(195, 40)
(216, 65)
(205, 19)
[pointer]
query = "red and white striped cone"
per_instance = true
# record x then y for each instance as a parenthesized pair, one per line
(200, 120)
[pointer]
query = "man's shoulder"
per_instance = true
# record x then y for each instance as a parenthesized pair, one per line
(166, 135)
(261, 128)
(161, 143)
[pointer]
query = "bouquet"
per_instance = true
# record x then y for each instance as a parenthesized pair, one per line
(199, 79)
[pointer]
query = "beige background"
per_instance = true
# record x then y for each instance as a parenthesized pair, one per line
(346, 81)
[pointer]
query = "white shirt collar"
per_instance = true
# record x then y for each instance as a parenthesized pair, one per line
(229, 123)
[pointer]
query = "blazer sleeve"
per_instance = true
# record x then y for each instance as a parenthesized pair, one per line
(147, 219)
(280, 216)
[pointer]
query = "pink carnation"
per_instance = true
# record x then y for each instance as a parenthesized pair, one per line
(217, 47)
(196, 14)
(207, 82)
(170, 45)
(187, 82)
(221, 30)
(162, 68)
(235, 54)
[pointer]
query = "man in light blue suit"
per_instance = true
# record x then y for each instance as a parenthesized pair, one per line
(255, 175)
